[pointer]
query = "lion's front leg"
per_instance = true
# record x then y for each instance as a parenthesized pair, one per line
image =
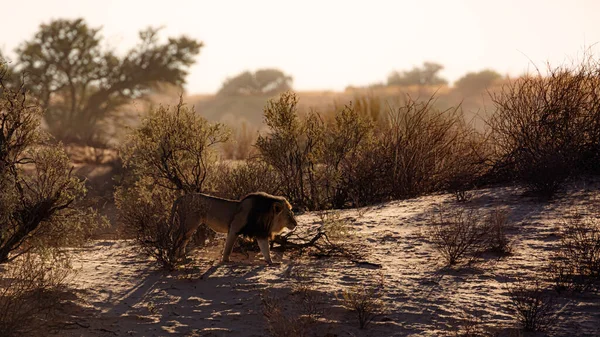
(263, 244)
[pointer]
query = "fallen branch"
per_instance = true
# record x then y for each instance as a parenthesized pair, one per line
(317, 240)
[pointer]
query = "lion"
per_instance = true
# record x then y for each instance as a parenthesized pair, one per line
(258, 215)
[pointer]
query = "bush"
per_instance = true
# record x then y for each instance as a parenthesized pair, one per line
(533, 305)
(355, 155)
(546, 129)
(240, 148)
(497, 226)
(466, 164)
(576, 264)
(284, 322)
(346, 139)
(235, 180)
(457, 234)
(314, 157)
(174, 147)
(144, 212)
(29, 290)
(365, 301)
(416, 147)
(170, 154)
(292, 148)
(41, 202)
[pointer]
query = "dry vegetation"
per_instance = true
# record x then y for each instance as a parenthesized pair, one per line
(402, 157)
(533, 305)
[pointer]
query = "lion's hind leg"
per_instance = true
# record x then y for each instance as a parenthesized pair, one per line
(234, 228)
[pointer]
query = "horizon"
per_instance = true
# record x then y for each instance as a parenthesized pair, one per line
(327, 46)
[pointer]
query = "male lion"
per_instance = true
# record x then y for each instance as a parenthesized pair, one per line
(257, 215)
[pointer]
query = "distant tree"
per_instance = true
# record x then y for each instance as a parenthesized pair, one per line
(425, 75)
(7, 73)
(80, 85)
(476, 81)
(263, 81)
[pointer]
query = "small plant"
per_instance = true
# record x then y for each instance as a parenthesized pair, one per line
(457, 234)
(533, 305)
(468, 326)
(309, 298)
(29, 290)
(576, 265)
(496, 240)
(366, 301)
(282, 322)
(336, 228)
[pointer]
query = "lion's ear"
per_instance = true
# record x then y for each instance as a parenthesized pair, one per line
(277, 208)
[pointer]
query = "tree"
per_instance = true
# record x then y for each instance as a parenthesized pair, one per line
(80, 85)
(39, 197)
(7, 73)
(263, 81)
(477, 81)
(426, 75)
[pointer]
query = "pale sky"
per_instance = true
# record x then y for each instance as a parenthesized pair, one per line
(328, 45)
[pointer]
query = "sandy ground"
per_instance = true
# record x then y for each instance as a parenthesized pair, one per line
(120, 293)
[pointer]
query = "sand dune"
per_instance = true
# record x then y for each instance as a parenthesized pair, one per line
(120, 293)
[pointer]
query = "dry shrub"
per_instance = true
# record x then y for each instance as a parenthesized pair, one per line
(533, 305)
(547, 128)
(237, 179)
(466, 233)
(346, 140)
(355, 155)
(290, 320)
(308, 297)
(470, 326)
(336, 228)
(414, 149)
(457, 234)
(170, 154)
(292, 148)
(330, 239)
(576, 264)
(30, 289)
(240, 146)
(175, 147)
(41, 201)
(314, 156)
(144, 212)
(466, 165)
(416, 145)
(496, 239)
(366, 301)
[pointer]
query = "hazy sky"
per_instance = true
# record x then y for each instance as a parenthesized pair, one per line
(331, 44)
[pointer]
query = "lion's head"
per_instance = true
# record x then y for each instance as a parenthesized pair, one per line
(269, 215)
(283, 217)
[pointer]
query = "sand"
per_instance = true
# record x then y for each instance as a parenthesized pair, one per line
(121, 293)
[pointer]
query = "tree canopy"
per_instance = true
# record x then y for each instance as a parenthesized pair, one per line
(425, 75)
(476, 81)
(263, 81)
(80, 84)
